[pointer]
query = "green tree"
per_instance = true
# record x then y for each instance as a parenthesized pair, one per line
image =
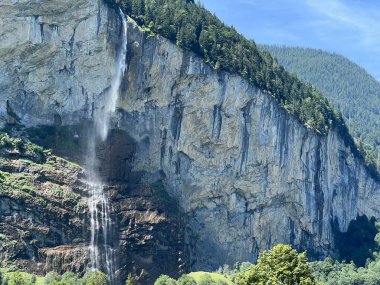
(52, 278)
(205, 280)
(194, 28)
(347, 86)
(186, 280)
(165, 280)
(16, 278)
(69, 278)
(97, 278)
(280, 266)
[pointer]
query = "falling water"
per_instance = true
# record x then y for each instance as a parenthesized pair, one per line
(102, 254)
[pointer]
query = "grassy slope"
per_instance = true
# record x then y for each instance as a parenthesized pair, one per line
(214, 276)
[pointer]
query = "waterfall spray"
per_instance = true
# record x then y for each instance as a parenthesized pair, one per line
(102, 254)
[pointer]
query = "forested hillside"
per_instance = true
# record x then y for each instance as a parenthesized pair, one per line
(346, 85)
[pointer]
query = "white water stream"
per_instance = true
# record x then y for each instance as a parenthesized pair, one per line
(102, 254)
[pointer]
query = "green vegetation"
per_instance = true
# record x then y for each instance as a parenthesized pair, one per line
(346, 85)
(19, 278)
(331, 272)
(28, 172)
(194, 28)
(21, 146)
(53, 278)
(165, 280)
(282, 265)
(186, 279)
(19, 183)
(97, 278)
(130, 280)
(195, 278)
(209, 278)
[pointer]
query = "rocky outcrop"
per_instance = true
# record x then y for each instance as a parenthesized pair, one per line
(246, 174)
(42, 207)
(44, 213)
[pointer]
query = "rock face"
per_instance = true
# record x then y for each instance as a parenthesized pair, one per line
(55, 57)
(56, 63)
(42, 208)
(245, 173)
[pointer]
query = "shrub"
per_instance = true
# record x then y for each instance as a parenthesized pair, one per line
(52, 277)
(165, 280)
(16, 278)
(97, 278)
(186, 280)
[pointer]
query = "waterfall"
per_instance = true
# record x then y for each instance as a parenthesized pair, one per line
(102, 253)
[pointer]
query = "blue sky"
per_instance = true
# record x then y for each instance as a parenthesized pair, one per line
(347, 27)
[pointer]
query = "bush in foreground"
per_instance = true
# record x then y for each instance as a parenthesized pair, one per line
(281, 265)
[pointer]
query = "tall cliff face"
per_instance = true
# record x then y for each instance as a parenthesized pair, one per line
(245, 173)
(57, 61)
(55, 57)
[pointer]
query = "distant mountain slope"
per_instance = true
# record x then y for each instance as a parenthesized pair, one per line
(345, 84)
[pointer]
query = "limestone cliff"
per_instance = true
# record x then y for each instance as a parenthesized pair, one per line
(246, 174)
